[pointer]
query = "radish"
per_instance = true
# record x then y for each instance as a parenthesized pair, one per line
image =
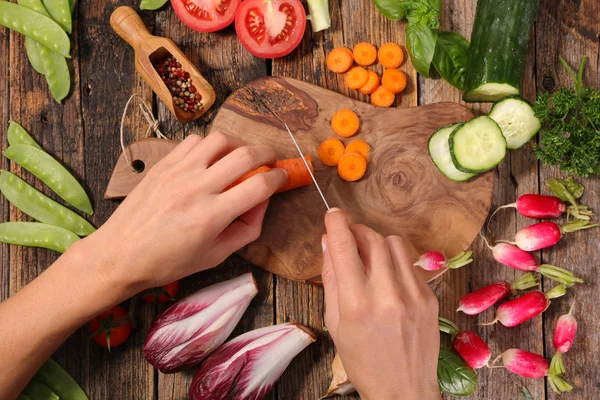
(482, 299)
(545, 234)
(524, 308)
(467, 344)
(542, 207)
(434, 260)
(516, 258)
(564, 335)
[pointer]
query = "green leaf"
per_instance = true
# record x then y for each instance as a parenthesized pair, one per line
(450, 58)
(526, 394)
(455, 377)
(391, 9)
(574, 187)
(420, 42)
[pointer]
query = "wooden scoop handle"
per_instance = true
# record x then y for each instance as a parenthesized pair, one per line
(128, 24)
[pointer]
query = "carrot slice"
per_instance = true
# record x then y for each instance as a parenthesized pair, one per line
(352, 167)
(297, 174)
(372, 83)
(361, 147)
(339, 60)
(364, 54)
(345, 123)
(330, 152)
(390, 55)
(382, 97)
(393, 80)
(356, 77)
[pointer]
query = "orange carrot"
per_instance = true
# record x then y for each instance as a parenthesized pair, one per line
(339, 60)
(330, 152)
(372, 83)
(364, 54)
(297, 174)
(390, 55)
(394, 80)
(352, 167)
(382, 97)
(345, 123)
(359, 146)
(356, 77)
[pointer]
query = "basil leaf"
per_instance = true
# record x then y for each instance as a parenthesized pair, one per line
(450, 58)
(420, 42)
(391, 9)
(455, 377)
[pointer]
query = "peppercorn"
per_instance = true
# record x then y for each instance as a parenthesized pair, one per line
(179, 83)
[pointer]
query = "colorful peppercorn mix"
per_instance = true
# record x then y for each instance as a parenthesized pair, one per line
(185, 95)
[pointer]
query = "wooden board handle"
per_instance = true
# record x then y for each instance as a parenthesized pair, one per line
(126, 22)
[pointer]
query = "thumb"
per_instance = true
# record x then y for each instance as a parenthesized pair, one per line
(332, 315)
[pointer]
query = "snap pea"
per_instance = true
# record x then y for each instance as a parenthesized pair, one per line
(36, 26)
(60, 10)
(33, 54)
(52, 173)
(72, 4)
(39, 391)
(41, 207)
(16, 134)
(152, 4)
(37, 234)
(23, 397)
(35, 5)
(56, 71)
(55, 377)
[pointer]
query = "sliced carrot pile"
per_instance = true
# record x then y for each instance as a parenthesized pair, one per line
(382, 97)
(390, 55)
(339, 60)
(364, 54)
(345, 123)
(330, 152)
(361, 147)
(352, 167)
(372, 83)
(394, 80)
(356, 77)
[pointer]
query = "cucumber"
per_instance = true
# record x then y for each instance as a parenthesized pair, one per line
(439, 150)
(516, 119)
(478, 145)
(498, 45)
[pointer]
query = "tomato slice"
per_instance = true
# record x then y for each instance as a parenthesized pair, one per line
(270, 28)
(206, 15)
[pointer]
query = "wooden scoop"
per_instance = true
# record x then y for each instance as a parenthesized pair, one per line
(150, 49)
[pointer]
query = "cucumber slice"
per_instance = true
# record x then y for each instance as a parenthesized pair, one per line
(439, 150)
(478, 145)
(490, 92)
(516, 120)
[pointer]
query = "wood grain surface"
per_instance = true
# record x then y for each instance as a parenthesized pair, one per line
(83, 133)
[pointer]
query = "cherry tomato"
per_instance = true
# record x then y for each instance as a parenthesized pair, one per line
(111, 328)
(270, 28)
(161, 294)
(206, 15)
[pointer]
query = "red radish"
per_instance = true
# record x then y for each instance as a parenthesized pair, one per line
(564, 336)
(537, 206)
(545, 234)
(434, 260)
(467, 344)
(482, 299)
(524, 308)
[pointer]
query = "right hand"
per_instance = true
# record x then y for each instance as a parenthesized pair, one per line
(381, 316)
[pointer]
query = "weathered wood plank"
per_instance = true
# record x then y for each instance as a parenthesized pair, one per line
(573, 32)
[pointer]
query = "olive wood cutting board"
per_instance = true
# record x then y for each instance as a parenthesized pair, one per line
(402, 192)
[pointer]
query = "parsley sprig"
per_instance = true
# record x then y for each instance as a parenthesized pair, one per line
(571, 126)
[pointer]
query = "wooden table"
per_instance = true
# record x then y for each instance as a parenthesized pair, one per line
(83, 133)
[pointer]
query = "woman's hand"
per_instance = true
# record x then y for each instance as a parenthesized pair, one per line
(381, 316)
(182, 218)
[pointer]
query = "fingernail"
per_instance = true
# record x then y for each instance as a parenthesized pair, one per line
(333, 209)
(323, 244)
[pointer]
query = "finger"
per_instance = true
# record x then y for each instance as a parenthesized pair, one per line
(182, 149)
(406, 272)
(332, 313)
(238, 163)
(244, 230)
(347, 265)
(374, 252)
(251, 192)
(210, 150)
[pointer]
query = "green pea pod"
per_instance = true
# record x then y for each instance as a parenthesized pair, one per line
(152, 4)
(39, 391)
(57, 73)
(60, 10)
(52, 173)
(36, 26)
(33, 54)
(35, 5)
(37, 234)
(54, 376)
(23, 397)
(72, 4)
(41, 207)
(16, 134)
